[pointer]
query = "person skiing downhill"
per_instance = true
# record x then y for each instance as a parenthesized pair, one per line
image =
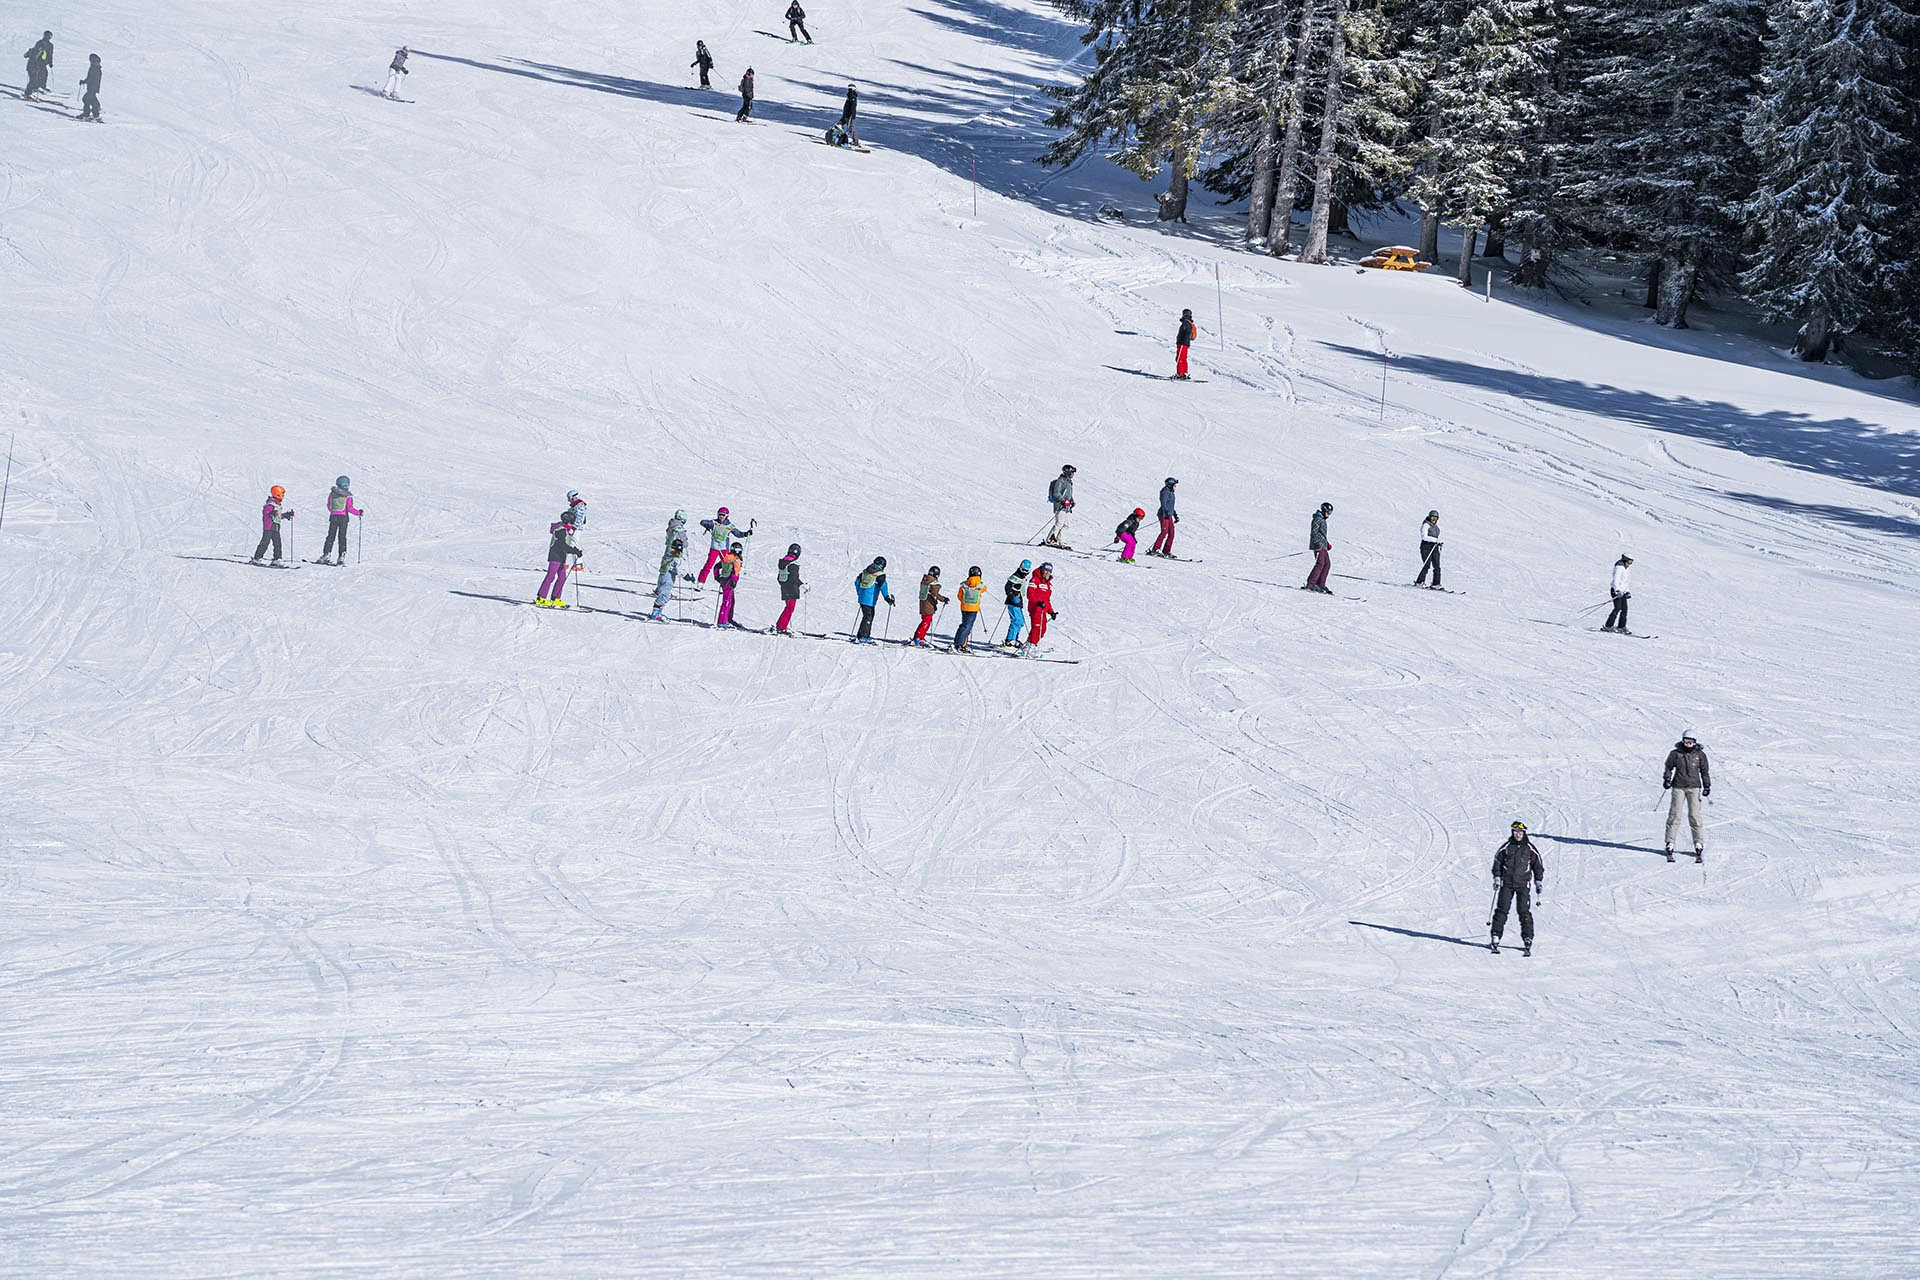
(1318, 544)
(723, 533)
(1127, 534)
(797, 23)
(847, 113)
(39, 65)
(1430, 545)
(788, 575)
(1168, 517)
(870, 587)
(90, 99)
(1619, 590)
(1060, 495)
(1182, 339)
(1016, 601)
(970, 592)
(671, 567)
(396, 69)
(271, 518)
(726, 574)
(562, 547)
(1039, 607)
(746, 98)
(703, 60)
(1516, 869)
(1690, 780)
(930, 602)
(340, 510)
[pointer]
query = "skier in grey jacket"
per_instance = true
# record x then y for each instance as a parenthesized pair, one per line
(1318, 544)
(1060, 494)
(1516, 868)
(670, 570)
(1689, 778)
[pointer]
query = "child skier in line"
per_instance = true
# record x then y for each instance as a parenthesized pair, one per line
(788, 575)
(562, 547)
(724, 535)
(340, 510)
(727, 574)
(703, 60)
(670, 568)
(1040, 607)
(930, 602)
(90, 97)
(1127, 534)
(1060, 498)
(271, 518)
(870, 587)
(1016, 600)
(970, 592)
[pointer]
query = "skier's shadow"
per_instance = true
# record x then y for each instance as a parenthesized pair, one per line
(1138, 373)
(1415, 933)
(1603, 844)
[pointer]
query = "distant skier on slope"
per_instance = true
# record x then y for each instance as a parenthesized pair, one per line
(1060, 495)
(1039, 607)
(1127, 534)
(797, 23)
(1322, 551)
(1016, 601)
(396, 69)
(722, 531)
(1430, 550)
(788, 575)
(1516, 869)
(1168, 517)
(1689, 778)
(672, 566)
(746, 98)
(726, 574)
(703, 60)
(1182, 339)
(970, 592)
(930, 601)
(847, 113)
(870, 588)
(562, 546)
(271, 518)
(39, 65)
(1619, 589)
(90, 85)
(340, 511)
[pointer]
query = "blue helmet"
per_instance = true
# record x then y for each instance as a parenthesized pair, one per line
(343, 482)
(1026, 566)
(573, 495)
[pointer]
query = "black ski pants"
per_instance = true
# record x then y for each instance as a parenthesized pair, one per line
(1429, 559)
(1618, 618)
(746, 107)
(90, 105)
(866, 620)
(798, 31)
(268, 538)
(1521, 897)
(336, 527)
(704, 82)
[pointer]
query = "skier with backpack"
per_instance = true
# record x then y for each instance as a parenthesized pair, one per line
(1168, 517)
(1430, 545)
(340, 511)
(1318, 544)
(723, 534)
(39, 65)
(1127, 534)
(271, 518)
(930, 602)
(1060, 495)
(727, 575)
(1620, 590)
(1516, 870)
(1039, 607)
(1016, 601)
(676, 529)
(1690, 780)
(703, 60)
(788, 575)
(562, 547)
(1182, 339)
(746, 98)
(90, 98)
(870, 588)
(671, 568)
(797, 23)
(396, 69)
(970, 592)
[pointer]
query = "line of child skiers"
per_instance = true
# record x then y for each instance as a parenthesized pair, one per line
(40, 66)
(274, 513)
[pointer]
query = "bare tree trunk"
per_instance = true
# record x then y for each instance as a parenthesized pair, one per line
(1469, 238)
(1679, 269)
(1653, 284)
(1496, 238)
(1315, 248)
(1337, 223)
(1260, 205)
(1286, 184)
(1429, 235)
(1815, 336)
(1173, 205)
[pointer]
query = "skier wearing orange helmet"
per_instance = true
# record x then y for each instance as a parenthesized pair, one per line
(1127, 534)
(271, 518)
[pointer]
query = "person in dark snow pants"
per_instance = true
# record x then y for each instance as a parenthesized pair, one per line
(90, 99)
(1182, 339)
(396, 69)
(340, 511)
(703, 60)
(788, 575)
(1620, 590)
(746, 97)
(1322, 550)
(870, 588)
(271, 518)
(1689, 779)
(847, 113)
(39, 65)
(797, 23)
(1516, 869)
(1016, 601)
(970, 592)
(1429, 550)
(1168, 517)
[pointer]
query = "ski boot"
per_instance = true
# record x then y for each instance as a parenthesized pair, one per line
(1669, 853)
(1700, 854)
(558, 603)
(1526, 946)
(1493, 944)
(658, 615)
(541, 602)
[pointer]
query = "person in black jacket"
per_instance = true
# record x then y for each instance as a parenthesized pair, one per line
(1690, 780)
(847, 113)
(797, 23)
(1182, 339)
(39, 64)
(703, 60)
(746, 96)
(90, 100)
(1516, 868)
(788, 575)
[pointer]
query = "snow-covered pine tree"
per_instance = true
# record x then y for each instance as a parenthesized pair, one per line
(1831, 130)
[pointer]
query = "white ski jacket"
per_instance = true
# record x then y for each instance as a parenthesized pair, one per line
(1622, 576)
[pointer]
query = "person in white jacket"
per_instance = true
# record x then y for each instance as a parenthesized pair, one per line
(396, 69)
(1619, 590)
(1429, 550)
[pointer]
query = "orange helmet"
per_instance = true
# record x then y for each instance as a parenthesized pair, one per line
(278, 491)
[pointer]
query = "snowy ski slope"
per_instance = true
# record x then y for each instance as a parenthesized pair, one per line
(370, 922)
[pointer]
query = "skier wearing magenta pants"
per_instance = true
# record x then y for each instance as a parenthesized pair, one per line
(1168, 517)
(727, 574)
(788, 575)
(1127, 534)
(1322, 549)
(724, 535)
(561, 548)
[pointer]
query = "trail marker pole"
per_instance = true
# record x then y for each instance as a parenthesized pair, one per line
(1219, 307)
(976, 186)
(1384, 359)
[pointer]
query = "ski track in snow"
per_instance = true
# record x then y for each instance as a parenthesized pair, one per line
(351, 922)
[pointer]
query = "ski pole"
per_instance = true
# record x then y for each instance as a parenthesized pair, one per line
(1039, 533)
(6, 484)
(887, 632)
(360, 555)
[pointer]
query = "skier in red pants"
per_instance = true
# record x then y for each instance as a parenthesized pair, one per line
(1322, 548)
(1163, 544)
(1181, 341)
(1039, 606)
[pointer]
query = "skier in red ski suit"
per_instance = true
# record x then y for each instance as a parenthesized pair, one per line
(1040, 604)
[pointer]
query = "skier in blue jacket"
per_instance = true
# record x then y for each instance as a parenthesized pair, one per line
(870, 587)
(1016, 599)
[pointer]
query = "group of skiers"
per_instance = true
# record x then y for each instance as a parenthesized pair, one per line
(40, 66)
(274, 513)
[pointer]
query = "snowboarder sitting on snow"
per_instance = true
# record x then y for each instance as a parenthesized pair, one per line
(1168, 517)
(340, 510)
(970, 592)
(1182, 339)
(837, 136)
(396, 69)
(1016, 600)
(1689, 779)
(1619, 590)
(1040, 606)
(90, 100)
(670, 569)
(703, 60)
(788, 575)
(562, 547)
(746, 97)
(797, 23)
(724, 534)
(870, 588)
(1060, 494)
(1516, 867)
(1322, 550)
(1127, 534)
(930, 602)
(271, 518)
(727, 574)
(1429, 550)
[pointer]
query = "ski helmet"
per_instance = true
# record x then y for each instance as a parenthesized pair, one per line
(1186, 313)
(721, 514)
(573, 495)
(934, 571)
(1626, 559)
(1068, 470)
(681, 515)
(1026, 566)
(1519, 826)
(1171, 480)
(793, 549)
(1045, 568)
(1326, 508)
(973, 571)
(879, 562)
(343, 482)
(278, 491)
(1688, 737)
(1433, 515)
(679, 544)
(1139, 511)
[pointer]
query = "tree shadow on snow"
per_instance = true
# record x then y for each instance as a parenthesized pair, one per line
(1415, 933)
(1866, 521)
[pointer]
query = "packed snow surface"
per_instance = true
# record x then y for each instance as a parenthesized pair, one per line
(369, 921)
